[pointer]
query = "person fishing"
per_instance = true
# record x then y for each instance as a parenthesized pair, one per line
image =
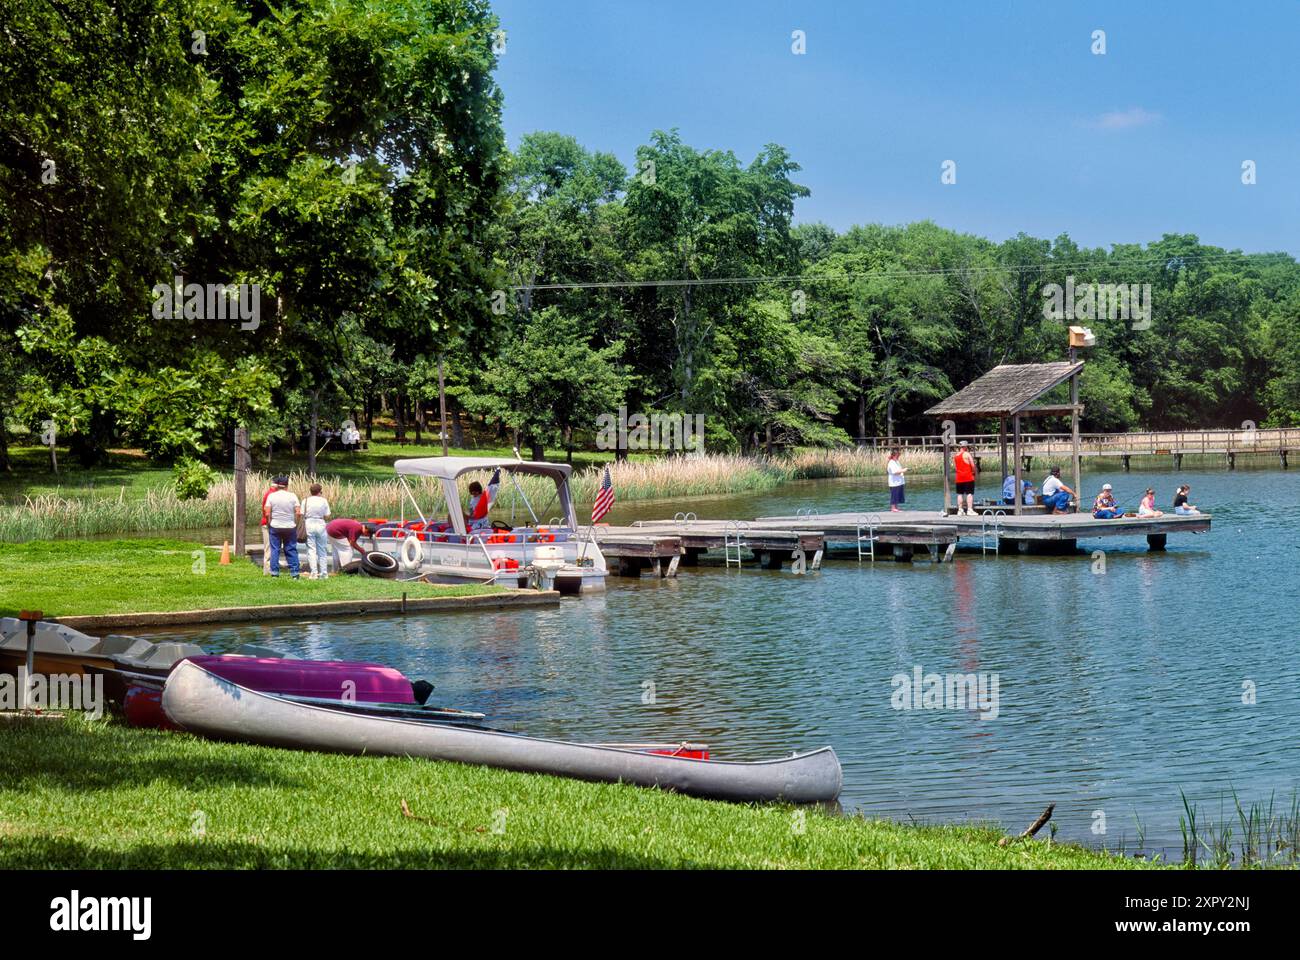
(1056, 495)
(1104, 506)
(480, 502)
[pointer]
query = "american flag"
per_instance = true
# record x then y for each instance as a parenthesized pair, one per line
(604, 499)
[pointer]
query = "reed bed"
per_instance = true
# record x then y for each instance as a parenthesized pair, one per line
(91, 513)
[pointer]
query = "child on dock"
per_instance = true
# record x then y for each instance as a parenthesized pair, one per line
(897, 480)
(1147, 508)
(1181, 507)
(1105, 507)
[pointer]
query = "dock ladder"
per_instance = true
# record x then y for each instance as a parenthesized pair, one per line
(733, 535)
(868, 524)
(995, 528)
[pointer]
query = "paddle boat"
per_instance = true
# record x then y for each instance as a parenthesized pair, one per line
(200, 701)
(440, 546)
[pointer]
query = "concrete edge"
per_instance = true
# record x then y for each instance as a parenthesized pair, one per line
(286, 611)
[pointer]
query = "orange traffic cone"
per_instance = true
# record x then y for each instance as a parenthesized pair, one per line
(225, 554)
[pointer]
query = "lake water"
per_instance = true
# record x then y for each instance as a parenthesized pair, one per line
(1116, 689)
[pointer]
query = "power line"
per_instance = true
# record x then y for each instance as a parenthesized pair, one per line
(894, 274)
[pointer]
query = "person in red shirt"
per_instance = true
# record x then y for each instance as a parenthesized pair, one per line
(344, 533)
(964, 465)
(266, 531)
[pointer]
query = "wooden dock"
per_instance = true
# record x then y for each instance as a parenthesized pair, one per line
(665, 546)
(1028, 533)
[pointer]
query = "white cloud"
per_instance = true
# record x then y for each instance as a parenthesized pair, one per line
(1125, 119)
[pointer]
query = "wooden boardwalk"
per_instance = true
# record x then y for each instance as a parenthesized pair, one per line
(1277, 443)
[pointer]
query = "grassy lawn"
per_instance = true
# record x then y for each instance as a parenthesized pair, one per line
(67, 578)
(74, 793)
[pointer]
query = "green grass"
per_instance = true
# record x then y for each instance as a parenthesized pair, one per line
(69, 578)
(82, 794)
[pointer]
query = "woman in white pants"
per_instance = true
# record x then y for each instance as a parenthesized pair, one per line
(316, 510)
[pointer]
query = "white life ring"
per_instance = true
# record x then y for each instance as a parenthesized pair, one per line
(412, 554)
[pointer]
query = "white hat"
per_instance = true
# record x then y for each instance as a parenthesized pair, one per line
(1106, 486)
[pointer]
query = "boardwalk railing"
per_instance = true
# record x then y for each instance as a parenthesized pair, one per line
(1159, 443)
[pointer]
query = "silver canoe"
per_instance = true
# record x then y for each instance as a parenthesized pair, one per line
(204, 703)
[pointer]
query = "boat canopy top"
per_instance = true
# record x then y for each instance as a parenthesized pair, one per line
(449, 468)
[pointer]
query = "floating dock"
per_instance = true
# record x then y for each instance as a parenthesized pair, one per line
(1028, 533)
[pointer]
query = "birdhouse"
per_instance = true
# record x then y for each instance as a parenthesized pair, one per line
(1082, 337)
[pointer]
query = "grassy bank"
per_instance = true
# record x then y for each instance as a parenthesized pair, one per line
(67, 578)
(79, 794)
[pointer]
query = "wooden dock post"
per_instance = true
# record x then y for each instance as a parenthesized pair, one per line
(947, 499)
(1019, 497)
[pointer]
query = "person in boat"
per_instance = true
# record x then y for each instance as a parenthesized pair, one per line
(316, 511)
(282, 512)
(1181, 507)
(1027, 492)
(966, 471)
(1056, 495)
(1147, 508)
(1105, 507)
(480, 503)
(344, 534)
(897, 480)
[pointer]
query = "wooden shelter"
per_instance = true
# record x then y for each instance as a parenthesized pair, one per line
(1009, 392)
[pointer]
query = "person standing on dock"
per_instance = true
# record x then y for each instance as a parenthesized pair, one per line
(964, 466)
(897, 480)
(316, 511)
(1056, 495)
(282, 512)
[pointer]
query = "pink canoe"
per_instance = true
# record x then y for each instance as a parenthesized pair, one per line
(319, 679)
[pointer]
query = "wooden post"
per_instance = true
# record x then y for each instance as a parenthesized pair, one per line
(242, 458)
(1015, 433)
(947, 497)
(1002, 443)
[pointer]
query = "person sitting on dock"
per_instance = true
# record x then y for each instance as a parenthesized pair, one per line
(897, 480)
(1181, 507)
(964, 466)
(1105, 507)
(1027, 493)
(1147, 508)
(1056, 495)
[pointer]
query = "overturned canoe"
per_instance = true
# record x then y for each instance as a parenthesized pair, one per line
(202, 702)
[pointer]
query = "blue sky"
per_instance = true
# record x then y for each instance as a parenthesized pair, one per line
(1047, 137)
